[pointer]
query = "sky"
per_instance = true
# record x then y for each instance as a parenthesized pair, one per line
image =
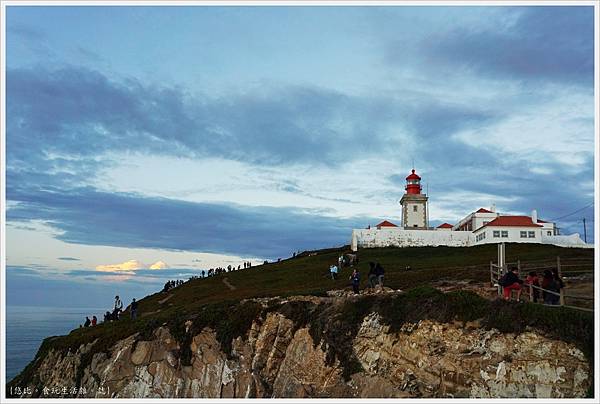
(149, 143)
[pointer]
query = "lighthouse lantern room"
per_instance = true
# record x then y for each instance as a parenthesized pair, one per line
(414, 204)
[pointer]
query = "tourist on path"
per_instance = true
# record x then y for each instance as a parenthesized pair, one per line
(87, 322)
(334, 271)
(379, 271)
(372, 277)
(510, 281)
(557, 278)
(355, 278)
(94, 321)
(134, 309)
(549, 283)
(118, 308)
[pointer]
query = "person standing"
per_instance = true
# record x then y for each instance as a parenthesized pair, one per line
(94, 321)
(355, 278)
(118, 307)
(550, 284)
(379, 271)
(134, 309)
(87, 322)
(334, 272)
(372, 277)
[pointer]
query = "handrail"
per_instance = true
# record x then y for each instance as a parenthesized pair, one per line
(544, 290)
(495, 277)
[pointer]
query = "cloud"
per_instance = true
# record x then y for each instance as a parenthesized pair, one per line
(68, 259)
(130, 220)
(128, 266)
(159, 265)
(78, 115)
(531, 44)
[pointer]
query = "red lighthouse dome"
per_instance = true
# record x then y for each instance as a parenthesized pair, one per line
(413, 183)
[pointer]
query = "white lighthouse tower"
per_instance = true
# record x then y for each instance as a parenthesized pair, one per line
(414, 204)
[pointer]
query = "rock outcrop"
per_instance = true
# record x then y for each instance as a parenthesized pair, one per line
(282, 356)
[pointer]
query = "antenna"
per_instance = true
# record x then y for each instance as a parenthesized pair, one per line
(426, 206)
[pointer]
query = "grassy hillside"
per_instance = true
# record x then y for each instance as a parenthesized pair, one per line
(302, 275)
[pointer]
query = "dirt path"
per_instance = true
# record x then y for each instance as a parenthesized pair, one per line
(165, 299)
(229, 285)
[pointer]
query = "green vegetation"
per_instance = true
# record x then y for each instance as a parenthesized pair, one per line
(208, 302)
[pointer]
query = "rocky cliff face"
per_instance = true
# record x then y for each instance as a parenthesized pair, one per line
(283, 355)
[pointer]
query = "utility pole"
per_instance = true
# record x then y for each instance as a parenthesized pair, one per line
(584, 231)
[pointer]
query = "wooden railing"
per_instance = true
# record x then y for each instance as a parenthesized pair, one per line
(496, 272)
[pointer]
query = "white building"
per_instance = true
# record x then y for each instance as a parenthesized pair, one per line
(480, 227)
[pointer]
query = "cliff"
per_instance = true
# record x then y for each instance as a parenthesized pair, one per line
(419, 343)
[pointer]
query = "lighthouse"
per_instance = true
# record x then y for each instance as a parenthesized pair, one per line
(414, 204)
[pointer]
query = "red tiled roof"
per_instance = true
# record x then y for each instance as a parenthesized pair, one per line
(445, 226)
(517, 221)
(385, 223)
(484, 211)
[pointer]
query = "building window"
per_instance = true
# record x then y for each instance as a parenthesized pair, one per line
(505, 233)
(549, 233)
(523, 234)
(414, 208)
(531, 234)
(496, 233)
(415, 225)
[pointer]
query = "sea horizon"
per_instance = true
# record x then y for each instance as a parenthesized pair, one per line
(27, 326)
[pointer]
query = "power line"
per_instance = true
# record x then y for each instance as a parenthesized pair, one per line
(572, 213)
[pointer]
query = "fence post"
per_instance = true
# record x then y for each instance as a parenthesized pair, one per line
(519, 265)
(558, 266)
(530, 293)
(562, 297)
(491, 273)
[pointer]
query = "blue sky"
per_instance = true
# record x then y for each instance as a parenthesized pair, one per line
(205, 136)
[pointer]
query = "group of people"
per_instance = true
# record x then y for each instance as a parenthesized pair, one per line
(229, 268)
(115, 314)
(172, 284)
(375, 277)
(343, 260)
(90, 323)
(551, 285)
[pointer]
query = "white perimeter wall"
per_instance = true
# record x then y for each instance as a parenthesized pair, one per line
(572, 240)
(397, 237)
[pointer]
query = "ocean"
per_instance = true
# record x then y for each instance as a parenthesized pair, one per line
(26, 328)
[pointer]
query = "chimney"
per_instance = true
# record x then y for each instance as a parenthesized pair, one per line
(493, 208)
(534, 216)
